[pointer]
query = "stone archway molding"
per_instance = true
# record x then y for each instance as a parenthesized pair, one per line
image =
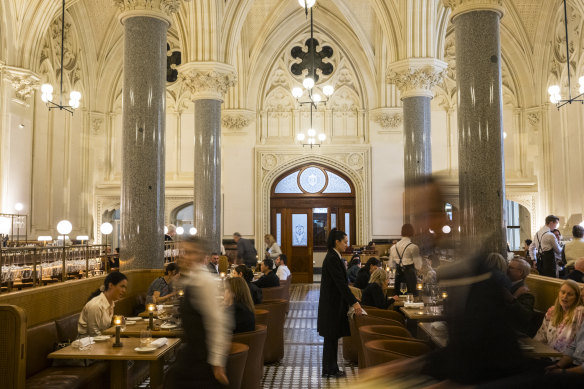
(353, 161)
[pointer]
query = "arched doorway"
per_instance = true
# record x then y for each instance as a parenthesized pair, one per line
(306, 203)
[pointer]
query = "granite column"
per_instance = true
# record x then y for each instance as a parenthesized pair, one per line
(143, 133)
(480, 124)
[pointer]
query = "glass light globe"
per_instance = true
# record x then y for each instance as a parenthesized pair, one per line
(165, 230)
(106, 228)
(306, 3)
(581, 80)
(74, 95)
(316, 98)
(297, 92)
(554, 89)
(311, 132)
(504, 135)
(321, 137)
(446, 229)
(180, 230)
(64, 227)
(328, 90)
(431, 231)
(581, 89)
(18, 207)
(300, 137)
(193, 231)
(47, 88)
(308, 82)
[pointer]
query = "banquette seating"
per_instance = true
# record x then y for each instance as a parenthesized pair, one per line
(254, 366)
(236, 361)
(274, 346)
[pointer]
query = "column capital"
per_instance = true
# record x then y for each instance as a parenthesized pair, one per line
(160, 9)
(416, 76)
(23, 81)
(207, 80)
(463, 6)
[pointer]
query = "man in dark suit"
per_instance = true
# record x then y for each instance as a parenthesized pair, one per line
(269, 279)
(213, 264)
(245, 250)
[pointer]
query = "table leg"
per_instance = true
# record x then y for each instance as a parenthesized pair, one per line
(156, 373)
(118, 374)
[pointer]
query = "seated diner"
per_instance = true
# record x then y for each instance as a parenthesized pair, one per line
(161, 289)
(240, 305)
(269, 279)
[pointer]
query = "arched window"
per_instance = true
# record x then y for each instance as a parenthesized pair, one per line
(313, 180)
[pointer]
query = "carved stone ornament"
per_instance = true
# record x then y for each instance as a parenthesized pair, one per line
(533, 118)
(387, 120)
(235, 121)
(24, 82)
(97, 126)
(269, 161)
(463, 6)
(207, 80)
(416, 77)
(162, 9)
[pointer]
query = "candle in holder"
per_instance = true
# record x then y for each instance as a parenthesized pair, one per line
(222, 275)
(419, 286)
(181, 293)
(444, 295)
(150, 308)
(118, 322)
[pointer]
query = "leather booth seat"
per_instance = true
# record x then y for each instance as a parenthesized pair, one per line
(254, 366)
(274, 346)
(363, 320)
(382, 351)
(261, 316)
(236, 364)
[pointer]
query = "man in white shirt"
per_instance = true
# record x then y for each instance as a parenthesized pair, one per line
(545, 248)
(406, 256)
(574, 249)
(282, 270)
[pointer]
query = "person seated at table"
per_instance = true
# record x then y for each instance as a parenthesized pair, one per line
(202, 356)
(97, 314)
(161, 289)
(282, 270)
(578, 273)
(354, 267)
(563, 319)
(247, 275)
(374, 294)
(269, 279)
(240, 305)
(213, 264)
(365, 272)
(518, 297)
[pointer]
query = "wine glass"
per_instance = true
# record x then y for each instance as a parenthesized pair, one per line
(123, 325)
(145, 338)
(403, 288)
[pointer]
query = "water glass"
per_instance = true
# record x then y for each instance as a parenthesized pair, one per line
(403, 288)
(123, 325)
(145, 338)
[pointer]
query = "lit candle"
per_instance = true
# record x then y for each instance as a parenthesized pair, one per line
(419, 286)
(444, 295)
(222, 275)
(180, 293)
(150, 308)
(118, 322)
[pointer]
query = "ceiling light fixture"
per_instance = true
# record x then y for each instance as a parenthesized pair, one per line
(47, 89)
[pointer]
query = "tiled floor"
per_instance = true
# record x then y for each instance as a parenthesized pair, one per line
(301, 365)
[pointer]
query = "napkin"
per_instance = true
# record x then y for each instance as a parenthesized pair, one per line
(439, 326)
(160, 308)
(351, 312)
(414, 305)
(84, 342)
(159, 342)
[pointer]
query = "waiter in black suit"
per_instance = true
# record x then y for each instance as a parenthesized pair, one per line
(334, 302)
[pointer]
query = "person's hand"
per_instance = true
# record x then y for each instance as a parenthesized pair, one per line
(358, 309)
(553, 369)
(219, 373)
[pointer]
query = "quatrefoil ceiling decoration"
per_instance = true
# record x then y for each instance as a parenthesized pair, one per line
(312, 59)
(173, 59)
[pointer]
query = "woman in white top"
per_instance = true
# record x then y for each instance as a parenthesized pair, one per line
(272, 248)
(406, 256)
(97, 314)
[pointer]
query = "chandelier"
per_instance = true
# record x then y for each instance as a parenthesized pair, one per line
(554, 90)
(47, 89)
(309, 94)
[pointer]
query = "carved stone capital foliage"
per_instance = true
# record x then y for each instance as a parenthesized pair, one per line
(416, 77)
(236, 120)
(207, 80)
(387, 120)
(463, 6)
(161, 9)
(23, 81)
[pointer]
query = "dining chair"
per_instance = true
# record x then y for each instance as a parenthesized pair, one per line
(365, 320)
(236, 364)
(254, 366)
(382, 351)
(385, 313)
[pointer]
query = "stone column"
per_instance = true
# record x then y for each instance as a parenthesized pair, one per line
(415, 78)
(480, 122)
(208, 82)
(144, 116)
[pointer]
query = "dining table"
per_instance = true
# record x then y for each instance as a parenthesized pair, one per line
(530, 347)
(135, 330)
(416, 315)
(119, 357)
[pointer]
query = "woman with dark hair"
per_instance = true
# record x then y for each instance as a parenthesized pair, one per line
(334, 302)
(247, 274)
(97, 314)
(365, 272)
(354, 267)
(239, 303)
(406, 256)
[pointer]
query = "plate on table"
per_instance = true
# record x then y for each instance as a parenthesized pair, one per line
(147, 349)
(167, 326)
(135, 318)
(130, 322)
(101, 338)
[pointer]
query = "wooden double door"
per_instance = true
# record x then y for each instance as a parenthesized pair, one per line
(302, 226)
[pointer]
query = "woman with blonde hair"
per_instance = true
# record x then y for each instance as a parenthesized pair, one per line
(563, 319)
(239, 302)
(272, 248)
(374, 293)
